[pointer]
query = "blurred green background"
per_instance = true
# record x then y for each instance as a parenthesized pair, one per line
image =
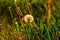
(13, 28)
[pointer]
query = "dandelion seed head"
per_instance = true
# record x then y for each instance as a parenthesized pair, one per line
(28, 18)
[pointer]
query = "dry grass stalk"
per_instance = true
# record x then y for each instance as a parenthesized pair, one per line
(12, 17)
(20, 14)
(30, 8)
(18, 11)
(48, 11)
(10, 11)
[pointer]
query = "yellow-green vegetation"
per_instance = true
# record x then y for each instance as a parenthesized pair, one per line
(29, 19)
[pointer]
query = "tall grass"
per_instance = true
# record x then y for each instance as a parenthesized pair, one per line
(46, 24)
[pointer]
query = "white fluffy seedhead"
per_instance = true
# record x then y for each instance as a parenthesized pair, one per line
(28, 18)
